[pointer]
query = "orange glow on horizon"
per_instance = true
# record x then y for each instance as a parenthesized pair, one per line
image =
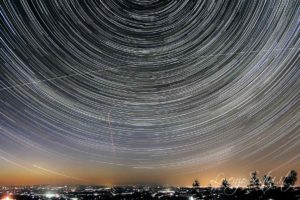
(237, 176)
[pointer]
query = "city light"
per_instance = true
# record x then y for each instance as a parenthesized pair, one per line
(6, 198)
(51, 195)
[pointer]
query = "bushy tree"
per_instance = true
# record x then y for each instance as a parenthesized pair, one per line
(196, 184)
(225, 183)
(268, 182)
(254, 180)
(290, 179)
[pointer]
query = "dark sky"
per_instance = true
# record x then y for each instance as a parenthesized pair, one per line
(129, 91)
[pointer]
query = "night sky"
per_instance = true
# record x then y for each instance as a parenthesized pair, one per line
(148, 91)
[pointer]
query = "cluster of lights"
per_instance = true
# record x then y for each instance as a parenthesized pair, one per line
(51, 195)
(6, 198)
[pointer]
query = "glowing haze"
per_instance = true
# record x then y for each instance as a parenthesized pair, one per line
(128, 91)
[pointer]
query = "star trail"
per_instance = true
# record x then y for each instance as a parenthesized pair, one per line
(149, 85)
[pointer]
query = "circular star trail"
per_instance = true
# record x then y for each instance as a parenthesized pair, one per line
(151, 83)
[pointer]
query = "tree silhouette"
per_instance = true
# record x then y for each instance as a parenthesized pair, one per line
(254, 180)
(225, 183)
(196, 184)
(268, 182)
(291, 179)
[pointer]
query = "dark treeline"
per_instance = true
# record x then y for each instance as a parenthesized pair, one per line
(264, 189)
